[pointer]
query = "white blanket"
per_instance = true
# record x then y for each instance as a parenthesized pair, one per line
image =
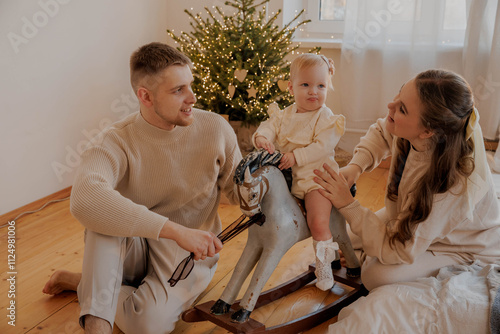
(458, 300)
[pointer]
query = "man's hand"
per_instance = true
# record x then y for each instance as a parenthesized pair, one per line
(287, 161)
(262, 142)
(202, 244)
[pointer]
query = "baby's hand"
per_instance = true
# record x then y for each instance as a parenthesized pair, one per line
(262, 142)
(287, 161)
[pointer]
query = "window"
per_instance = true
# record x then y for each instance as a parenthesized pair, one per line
(327, 19)
(327, 16)
(331, 10)
(455, 15)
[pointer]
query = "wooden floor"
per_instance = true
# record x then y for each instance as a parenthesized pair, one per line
(52, 239)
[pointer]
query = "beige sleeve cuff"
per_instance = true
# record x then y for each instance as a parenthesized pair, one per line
(362, 159)
(350, 211)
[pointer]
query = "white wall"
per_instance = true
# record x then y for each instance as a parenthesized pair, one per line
(64, 74)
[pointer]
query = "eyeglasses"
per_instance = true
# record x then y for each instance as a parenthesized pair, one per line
(183, 270)
(186, 266)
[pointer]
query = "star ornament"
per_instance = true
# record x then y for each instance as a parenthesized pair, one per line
(252, 92)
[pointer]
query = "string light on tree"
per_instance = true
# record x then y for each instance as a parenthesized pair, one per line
(239, 59)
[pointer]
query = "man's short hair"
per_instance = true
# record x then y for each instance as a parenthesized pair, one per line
(151, 59)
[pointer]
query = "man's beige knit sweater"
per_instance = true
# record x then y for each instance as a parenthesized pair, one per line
(136, 176)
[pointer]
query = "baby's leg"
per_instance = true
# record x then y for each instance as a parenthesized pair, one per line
(318, 215)
(318, 219)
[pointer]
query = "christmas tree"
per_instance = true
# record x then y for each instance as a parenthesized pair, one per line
(239, 60)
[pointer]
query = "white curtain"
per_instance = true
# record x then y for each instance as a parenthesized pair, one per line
(385, 44)
(388, 42)
(494, 162)
(481, 59)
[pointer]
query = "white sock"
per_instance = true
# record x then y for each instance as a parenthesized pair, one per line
(325, 254)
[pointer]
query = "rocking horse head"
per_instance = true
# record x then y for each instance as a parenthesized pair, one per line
(251, 181)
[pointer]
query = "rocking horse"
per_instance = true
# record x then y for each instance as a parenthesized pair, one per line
(262, 188)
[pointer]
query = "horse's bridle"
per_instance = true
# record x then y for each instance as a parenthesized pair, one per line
(263, 186)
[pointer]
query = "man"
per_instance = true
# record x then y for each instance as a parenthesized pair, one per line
(148, 194)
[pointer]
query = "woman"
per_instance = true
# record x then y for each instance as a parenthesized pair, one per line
(440, 207)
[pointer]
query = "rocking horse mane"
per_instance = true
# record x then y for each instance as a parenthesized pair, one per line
(255, 160)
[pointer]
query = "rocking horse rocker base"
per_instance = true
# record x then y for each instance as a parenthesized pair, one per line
(239, 321)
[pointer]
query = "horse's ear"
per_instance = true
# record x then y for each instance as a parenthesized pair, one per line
(248, 176)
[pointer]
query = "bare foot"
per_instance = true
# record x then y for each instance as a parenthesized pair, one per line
(62, 280)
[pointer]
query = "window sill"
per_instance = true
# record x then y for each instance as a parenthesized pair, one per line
(324, 43)
(336, 43)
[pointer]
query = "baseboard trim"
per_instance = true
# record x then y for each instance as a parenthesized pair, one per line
(6, 217)
(491, 145)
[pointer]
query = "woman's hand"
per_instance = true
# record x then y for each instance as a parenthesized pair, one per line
(351, 173)
(262, 142)
(336, 188)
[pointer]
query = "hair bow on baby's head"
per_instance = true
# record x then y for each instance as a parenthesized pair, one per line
(330, 64)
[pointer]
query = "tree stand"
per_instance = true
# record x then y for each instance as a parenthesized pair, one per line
(202, 312)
